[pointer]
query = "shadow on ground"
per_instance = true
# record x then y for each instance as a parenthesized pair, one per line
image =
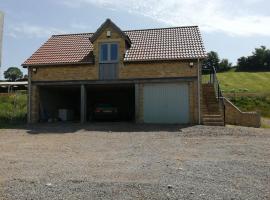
(102, 127)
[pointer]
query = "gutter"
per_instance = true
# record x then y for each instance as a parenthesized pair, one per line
(29, 96)
(199, 92)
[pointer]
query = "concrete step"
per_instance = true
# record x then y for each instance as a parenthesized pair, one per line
(206, 120)
(212, 115)
(214, 123)
(210, 108)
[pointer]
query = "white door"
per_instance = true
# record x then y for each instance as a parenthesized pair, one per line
(166, 103)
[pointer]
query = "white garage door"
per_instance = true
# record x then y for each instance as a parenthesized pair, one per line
(166, 103)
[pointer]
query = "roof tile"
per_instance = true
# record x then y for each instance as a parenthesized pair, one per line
(151, 44)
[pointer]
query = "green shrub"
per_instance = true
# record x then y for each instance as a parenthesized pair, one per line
(260, 104)
(13, 108)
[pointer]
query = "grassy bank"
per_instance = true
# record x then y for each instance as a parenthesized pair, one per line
(261, 104)
(13, 109)
(250, 91)
(245, 82)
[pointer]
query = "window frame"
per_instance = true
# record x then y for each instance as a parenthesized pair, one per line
(109, 52)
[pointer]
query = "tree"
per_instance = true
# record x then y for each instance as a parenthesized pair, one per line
(13, 73)
(225, 65)
(211, 61)
(258, 61)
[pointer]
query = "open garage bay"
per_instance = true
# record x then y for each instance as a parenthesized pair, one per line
(111, 102)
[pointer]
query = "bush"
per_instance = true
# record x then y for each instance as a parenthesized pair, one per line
(261, 104)
(13, 108)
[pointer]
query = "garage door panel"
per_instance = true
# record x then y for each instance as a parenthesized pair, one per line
(166, 103)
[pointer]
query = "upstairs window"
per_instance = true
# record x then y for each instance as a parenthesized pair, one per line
(108, 53)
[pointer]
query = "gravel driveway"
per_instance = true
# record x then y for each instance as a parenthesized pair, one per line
(128, 161)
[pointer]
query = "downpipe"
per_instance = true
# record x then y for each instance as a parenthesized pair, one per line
(199, 92)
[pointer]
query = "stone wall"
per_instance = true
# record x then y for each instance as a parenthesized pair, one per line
(235, 116)
(64, 72)
(34, 104)
(157, 70)
(127, 71)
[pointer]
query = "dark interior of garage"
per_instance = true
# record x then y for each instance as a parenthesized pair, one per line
(121, 97)
(55, 99)
(63, 103)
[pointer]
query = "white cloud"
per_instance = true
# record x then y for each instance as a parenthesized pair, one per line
(231, 17)
(35, 31)
(32, 31)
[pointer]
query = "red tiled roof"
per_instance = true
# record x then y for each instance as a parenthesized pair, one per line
(151, 44)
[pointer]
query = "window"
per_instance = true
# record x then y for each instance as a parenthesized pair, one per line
(114, 51)
(104, 52)
(108, 53)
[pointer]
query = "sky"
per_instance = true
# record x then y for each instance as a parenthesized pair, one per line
(232, 28)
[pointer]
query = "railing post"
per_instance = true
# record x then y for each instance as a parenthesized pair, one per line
(224, 113)
(218, 92)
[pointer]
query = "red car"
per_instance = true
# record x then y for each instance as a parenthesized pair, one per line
(105, 111)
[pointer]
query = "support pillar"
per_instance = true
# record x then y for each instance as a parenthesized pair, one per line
(137, 108)
(83, 104)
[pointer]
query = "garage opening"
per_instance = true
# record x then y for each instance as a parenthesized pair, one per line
(59, 103)
(111, 102)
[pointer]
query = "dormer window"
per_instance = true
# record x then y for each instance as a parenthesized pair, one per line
(108, 53)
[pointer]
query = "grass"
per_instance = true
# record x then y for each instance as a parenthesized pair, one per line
(13, 109)
(265, 126)
(260, 104)
(245, 82)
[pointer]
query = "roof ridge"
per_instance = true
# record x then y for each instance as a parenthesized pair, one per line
(147, 29)
(71, 34)
(173, 27)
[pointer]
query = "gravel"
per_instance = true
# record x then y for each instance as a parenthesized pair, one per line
(128, 161)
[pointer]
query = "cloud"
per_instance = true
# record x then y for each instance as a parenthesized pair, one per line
(19, 30)
(240, 17)
(32, 31)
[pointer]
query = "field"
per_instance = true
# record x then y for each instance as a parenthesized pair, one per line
(250, 83)
(250, 91)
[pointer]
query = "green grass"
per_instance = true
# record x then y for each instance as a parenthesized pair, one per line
(245, 82)
(260, 104)
(265, 126)
(13, 109)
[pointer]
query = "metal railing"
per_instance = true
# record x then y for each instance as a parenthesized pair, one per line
(212, 79)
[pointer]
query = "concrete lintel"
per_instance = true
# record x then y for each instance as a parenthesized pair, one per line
(117, 81)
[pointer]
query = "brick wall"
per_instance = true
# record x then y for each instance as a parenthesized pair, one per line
(235, 116)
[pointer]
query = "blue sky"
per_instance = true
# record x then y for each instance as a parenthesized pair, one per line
(232, 28)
